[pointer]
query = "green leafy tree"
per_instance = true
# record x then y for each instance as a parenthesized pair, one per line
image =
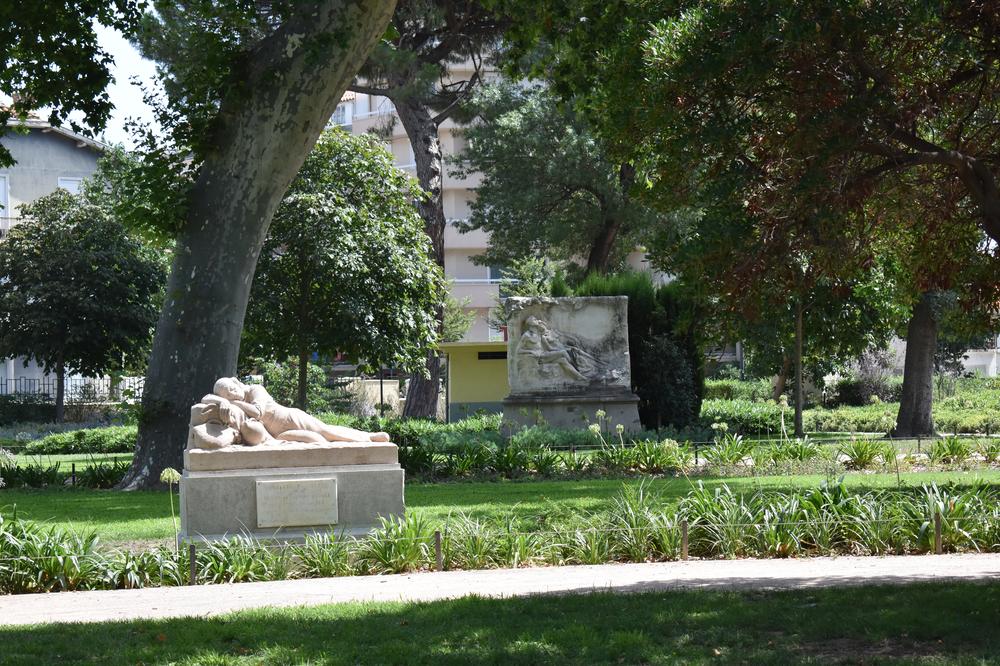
(410, 67)
(825, 124)
(79, 294)
(50, 59)
(247, 89)
(547, 188)
(345, 267)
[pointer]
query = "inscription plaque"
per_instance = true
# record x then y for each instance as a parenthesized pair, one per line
(296, 502)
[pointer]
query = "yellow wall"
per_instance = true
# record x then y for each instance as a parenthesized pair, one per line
(474, 380)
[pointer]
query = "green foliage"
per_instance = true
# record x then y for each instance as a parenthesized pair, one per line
(952, 450)
(52, 60)
(282, 381)
(548, 186)
(733, 389)
(18, 407)
(666, 353)
(345, 267)
(110, 439)
(80, 294)
(864, 453)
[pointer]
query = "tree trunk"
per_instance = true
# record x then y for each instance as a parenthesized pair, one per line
(266, 129)
(799, 386)
(60, 391)
(603, 244)
(915, 416)
(302, 397)
(422, 131)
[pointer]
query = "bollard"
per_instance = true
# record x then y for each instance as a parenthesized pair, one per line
(684, 539)
(938, 546)
(438, 555)
(193, 566)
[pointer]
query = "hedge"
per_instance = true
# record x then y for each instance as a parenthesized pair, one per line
(112, 439)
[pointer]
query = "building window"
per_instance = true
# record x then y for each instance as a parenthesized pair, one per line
(494, 274)
(342, 116)
(71, 185)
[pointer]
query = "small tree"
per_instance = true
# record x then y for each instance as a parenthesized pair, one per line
(79, 293)
(346, 266)
(548, 186)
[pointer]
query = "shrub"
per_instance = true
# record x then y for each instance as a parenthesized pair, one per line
(742, 415)
(111, 439)
(758, 390)
(19, 407)
(730, 449)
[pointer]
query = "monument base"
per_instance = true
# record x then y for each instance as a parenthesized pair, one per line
(230, 492)
(576, 411)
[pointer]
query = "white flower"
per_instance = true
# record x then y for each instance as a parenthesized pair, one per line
(594, 428)
(170, 475)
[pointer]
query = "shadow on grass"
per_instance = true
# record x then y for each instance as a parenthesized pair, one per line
(953, 623)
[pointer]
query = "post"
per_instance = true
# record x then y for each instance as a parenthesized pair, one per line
(72, 474)
(938, 546)
(193, 565)
(684, 539)
(381, 391)
(438, 555)
(696, 454)
(918, 443)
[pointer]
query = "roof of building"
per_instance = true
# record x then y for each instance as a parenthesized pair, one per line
(32, 122)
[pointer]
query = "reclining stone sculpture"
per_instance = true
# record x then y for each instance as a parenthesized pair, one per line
(238, 414)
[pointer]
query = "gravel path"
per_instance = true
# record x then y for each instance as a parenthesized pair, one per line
(202, 600)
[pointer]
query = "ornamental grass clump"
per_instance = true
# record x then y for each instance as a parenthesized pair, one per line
(397, 545)
(864, 453)
(729, 450)
(950, 451)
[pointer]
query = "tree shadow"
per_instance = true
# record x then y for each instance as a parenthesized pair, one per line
(950, 622)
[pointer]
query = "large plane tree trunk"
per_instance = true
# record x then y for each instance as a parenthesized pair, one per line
(422, 131)
(293, 81)
(915, 416)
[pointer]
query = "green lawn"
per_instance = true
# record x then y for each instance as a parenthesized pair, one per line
(145, 516)
(921, 623)
(67, 460)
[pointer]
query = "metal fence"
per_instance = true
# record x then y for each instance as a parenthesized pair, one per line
(77, 389)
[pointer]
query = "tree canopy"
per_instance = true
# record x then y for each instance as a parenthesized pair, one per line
(548, 188)
(49, 57)
(345, 267)
(80, 295)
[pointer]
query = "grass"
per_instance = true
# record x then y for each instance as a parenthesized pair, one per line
(920, 623)
(119, 517)
(66, 460)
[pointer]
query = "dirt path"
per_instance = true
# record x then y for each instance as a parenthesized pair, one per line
(204, 600)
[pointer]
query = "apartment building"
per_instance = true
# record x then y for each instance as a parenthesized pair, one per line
(47, 158)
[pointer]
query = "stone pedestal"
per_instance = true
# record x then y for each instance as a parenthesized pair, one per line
(571, 411)
(568, 358)
(287, 490)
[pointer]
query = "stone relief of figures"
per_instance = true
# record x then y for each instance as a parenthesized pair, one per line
(551, 353)
(240, 414)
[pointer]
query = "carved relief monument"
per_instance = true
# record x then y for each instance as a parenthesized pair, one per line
(255, 466)
(567, 358)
